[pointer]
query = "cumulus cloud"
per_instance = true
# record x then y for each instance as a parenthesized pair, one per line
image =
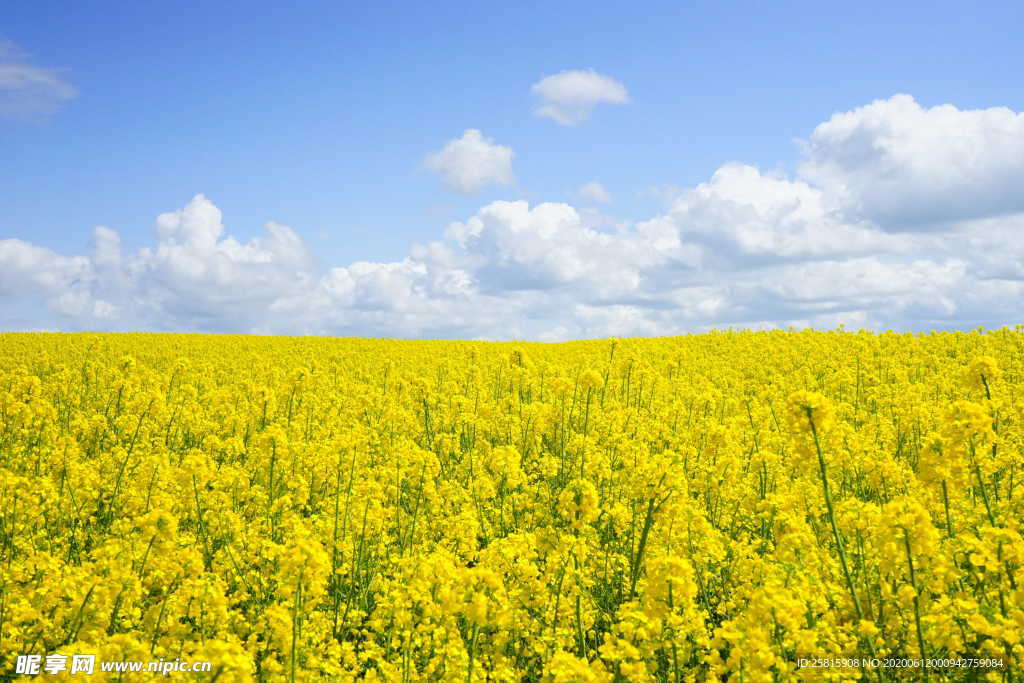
(568, 97)
(65, 283)
(908, 167)
(472, 162)
(27, 91)
(195, 272)
(746, 216)
(595, 192)
(513, 247)
(746, 248)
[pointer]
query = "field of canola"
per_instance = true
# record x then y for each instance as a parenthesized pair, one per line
(707, 507)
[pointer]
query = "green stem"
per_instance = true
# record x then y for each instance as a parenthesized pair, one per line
(835, 529)
(472, 654)
(917, 604)
(945, 502)
(823, 468)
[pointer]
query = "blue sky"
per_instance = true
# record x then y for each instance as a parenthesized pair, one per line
(322, 117)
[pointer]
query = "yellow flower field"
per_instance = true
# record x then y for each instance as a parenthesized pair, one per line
(734, 505)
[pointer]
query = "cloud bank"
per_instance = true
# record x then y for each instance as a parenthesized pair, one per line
(853, 238)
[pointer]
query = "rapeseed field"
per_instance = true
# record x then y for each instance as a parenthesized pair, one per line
(728, 506)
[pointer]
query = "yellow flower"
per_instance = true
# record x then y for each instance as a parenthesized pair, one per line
(982, 373)
(348, 509)
(590, 379)
(805, 407)
(578, 503)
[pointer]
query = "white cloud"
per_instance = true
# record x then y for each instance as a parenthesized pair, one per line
(511, 247)
(66, 283)
(746, 248)
(471, 162)
(523, 248)
(26, 91)
(907, 167)
(995, 245)
(885, 286)
(569, 97)
(197, 273)
(744, 216)
(595, 192)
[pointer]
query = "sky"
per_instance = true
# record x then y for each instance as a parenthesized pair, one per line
(541, 171)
